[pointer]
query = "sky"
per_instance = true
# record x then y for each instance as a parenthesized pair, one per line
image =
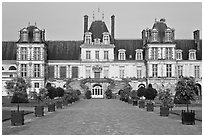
(64, 20)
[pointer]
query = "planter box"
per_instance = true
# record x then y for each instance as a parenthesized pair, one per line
(164, 111)
(141, 104)
(39, 111)
(134, 103)
(17, 118)
(59, 104)
(188, 118)
(150, 107)
(51, 107)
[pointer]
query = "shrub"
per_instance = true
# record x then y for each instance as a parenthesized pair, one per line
(150, 93)
(133, 94)
(165, 97)
(109, 93)
(59, 92)
(88, 94)
(141, 91)
(51, 92)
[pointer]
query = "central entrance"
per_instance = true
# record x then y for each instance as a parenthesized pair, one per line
(97, 91)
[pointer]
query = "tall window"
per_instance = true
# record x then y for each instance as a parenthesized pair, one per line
(36, 85)
(139, 72)
(168, 70)
(88, 54)
(197, 71)
(180, 70)
(106, 55)
(106, 71)
(37, 53)
(37, 70)
(97, 54)
(168, 53)
(139, 56)
(122, 72)
(179, 55)
(23, 70)
(192, 55)
(106, 39)
(88, 72)
(168, 36)
(23, 53)
(121, 56)
(154, 53)
(154, 70)
(88, 39)
(154, 36)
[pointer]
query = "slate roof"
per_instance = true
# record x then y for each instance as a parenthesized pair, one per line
(8, 50)
(161, 27)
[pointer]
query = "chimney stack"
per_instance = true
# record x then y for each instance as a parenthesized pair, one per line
(144, 37)
(196, 36)
(85, 23)
(113, 26)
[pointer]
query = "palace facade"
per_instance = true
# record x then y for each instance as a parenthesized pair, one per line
(157, 58)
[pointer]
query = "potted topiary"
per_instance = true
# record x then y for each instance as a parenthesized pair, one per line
(134, 97)
(51, 94)
(18, 86)
(39, 110)
(141, 95)
(122, 94)
(88, 94)
(150, 94)
(166, 100)
(185, 90)
(109, 93)
(59, 94)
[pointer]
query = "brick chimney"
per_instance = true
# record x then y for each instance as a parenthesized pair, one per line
(85, 23)
(196, 37)
(113, 26)
(144, 38)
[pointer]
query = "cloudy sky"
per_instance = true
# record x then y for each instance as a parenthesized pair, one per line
(64, 21)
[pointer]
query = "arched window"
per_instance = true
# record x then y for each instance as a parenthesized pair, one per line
(2, 68)
(12, 68)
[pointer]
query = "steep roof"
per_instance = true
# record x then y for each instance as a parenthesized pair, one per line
(129, 45)
(161, 27)
(186, 45)
(64, 50)
(8, 50)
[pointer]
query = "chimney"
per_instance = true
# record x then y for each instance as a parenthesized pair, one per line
(43, 34)
(196, 37)
(144, 37)
(113, 26)
(85, 23)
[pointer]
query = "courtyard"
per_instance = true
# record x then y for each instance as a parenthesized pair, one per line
(102, 117)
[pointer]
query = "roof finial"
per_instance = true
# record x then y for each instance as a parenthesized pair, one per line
(93, 15)
(103, 15)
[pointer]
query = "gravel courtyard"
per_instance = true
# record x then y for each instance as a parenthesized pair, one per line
(102, 117)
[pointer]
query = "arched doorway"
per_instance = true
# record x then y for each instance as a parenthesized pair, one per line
(97, 91)
(199, 89)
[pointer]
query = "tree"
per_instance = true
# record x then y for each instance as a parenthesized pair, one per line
(185, 90)
(141, 91)
(150, 93)
(51, 92)
(18, 86)
(109, 93)
(133, 94)
(59, 92)
(88, 94)
(165, 97)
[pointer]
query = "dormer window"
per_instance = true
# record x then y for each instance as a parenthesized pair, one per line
(121, 55)
(179, 54)
(88, 38)
(97, 41)
(168, 35)
(154, 35)
(106, 38)
(139, 54)
(192, 54)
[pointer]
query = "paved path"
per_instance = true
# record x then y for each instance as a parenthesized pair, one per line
(103, 117)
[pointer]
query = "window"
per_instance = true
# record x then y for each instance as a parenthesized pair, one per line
(139, 72)
(197, 71)
(106, 71)
(168, 70)
(154, 35)
(23, 70)
(121, 56)
(122, 72)
(192, 55)
(23, 53)
(37, 53)
(180, 70)
(37, 70)
(154, 70)
(12, 68)
(154, 53)
(106, 39)
(168, 53)
(88, 72)
(138, 54)
(36, 85)
(179, 55)
(88, 54)
(97, 54)
(88, 39)
(168, 35)
(106, 55)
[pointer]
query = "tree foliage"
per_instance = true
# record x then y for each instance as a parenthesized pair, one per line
(165, 97)
(150, 93)
(141, 91)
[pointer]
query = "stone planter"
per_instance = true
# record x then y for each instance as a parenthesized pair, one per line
(150, 107)
(188, 118)
(39, 111)
(59, 104)
(51, 107)
(141, 104)
(135, 102)
(17, 118)
(164, 111)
